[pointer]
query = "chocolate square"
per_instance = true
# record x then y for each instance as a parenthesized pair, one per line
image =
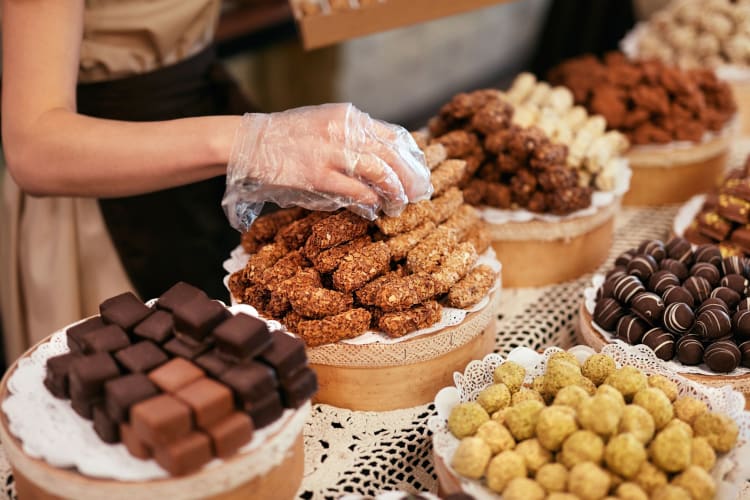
(109, 338)
(189, 351)
(175, 374)
(741, 238)
(264, 411)
(286, 355)
(89, 373)
(180, 293)
(198, 317)
(230, 434)
(252, 381)
(242, 337)
(133, 443)
(124, 310)
(75, 332)
(301, 387)
(158, 327)
(84, 407)
(141, 357)
(122, 393)
(161, 420)
(58, 368)
(185, 455)
(734, 209)
(209, 400)
(105, 427)
(213, 364)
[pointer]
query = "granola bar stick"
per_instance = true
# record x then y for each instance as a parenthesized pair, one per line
(402, 293)
(472, 288)
(398, 324)
(444, 206)
(400, 244)
(463, 220)
(455, 266)
(348, 324)
(429, 252)
(367, 295)
(264, 259)
(361, 266)
(413, 215)
(434, 155)
(294, 235)
(479, 236)
(266, 226)
(312, 302)
(279, 304)
(447, 175)
(328, 260)
(335, 230)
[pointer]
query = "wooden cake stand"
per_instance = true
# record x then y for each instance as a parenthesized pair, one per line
(591, 337)
(234, 479)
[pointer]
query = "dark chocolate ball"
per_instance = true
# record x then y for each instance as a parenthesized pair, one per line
(616, 272)
(648, 306)
(713, 324)
(642, 266)
(626, 288)
(606, 289)
(661, 281)
(729, 296)
(631, 329)
(743, 304)
(741, 324)
(654, 248)
(607, 312)
(708, 271)
(736, 282)
(690, 350)
(708, 253)
(675, 267)
(680, 249)
(678, 294)
(661, 342)
(734, 264)
(624, 258)
(745, 351)
(722, 356)
(712, 303)
(678, 318)
(698, 287)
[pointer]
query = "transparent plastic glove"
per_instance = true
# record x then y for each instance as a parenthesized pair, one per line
(322, 158)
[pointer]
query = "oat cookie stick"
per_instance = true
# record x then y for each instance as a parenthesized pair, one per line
(285, 268)
(361, 266)
(347, 325)
(367, 295)
(434, 155)
(254, 295)
(337, 229)
(266, 226)
(278, 304)
(264, 259)
(402, 293)
(328, 260)
(413, 215)
(447, 175)
(479, 236)
(428, 253)
(310, 302)
(398, 324)
(472, 288)
(463, 220)
(294, 235)
(400, 244)
(454, 266)
(444, 206)
(291, 320)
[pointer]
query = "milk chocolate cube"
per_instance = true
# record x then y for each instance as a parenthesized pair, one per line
(214, 365)
(122, 393)
(180, 293)
(89, 373)
(161, 420)
(133, 443)
(157, 327)
(124, 310)
(56, 380)
(198, 317)
(175, 374)
(76, 332)
(106, 428)
(230, 434)
(188, 350)
(186, 455)
(251, 381)
(298, 389)
(264, 411)
(141, 357)
(209, 400)
(242, 337)
(109, 338)
(286, 355)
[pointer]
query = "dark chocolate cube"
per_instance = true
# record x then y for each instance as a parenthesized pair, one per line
(56, 380)
(242, 337)
(158, 327)
(141, 357)
(124, 310)
(213, 364)
(180, 293)
(189, 351)
(198, 317)
(84, 407)
(76, 332)
(122, 393)
(88, 374)
(266, 410)
(301, 387)
(106, 428)
(286, 355)
(250, 382)
(109, 338)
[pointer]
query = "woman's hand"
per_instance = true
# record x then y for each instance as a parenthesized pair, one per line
(323, 158)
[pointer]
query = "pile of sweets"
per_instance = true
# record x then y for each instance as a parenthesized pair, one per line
(332, 276)
(648, 101)
(529, 148)
(588, 431)
(699, 34)
(183, 381)
(683, 303)
(315, 7)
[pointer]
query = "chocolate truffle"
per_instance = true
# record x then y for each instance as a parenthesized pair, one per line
(607, 289)
(737, 283)
(729, 296)
(661, 342)
(179, 293)
(680, 249)
(122, 393)
(242, 337)
(642, 266)
(690, 350)
(678, 318)
(607, 313)
(631, 329)
(675, 267)
(745, 350)
(124, 310)
(741, 324)
(141, 357)
(158, 327)
(708, 253)
(648, 306)
(734, 264)
(624, 258)
(75, 333)
(722, 356)
(713, 324)
(707, 271)
(654, 248)
(743, 304)
(712, 303)
(626, 288)
(678, 294)
(616, 272)
(698, 287)
(661, 281)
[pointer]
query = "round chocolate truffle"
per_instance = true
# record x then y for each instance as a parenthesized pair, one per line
(654, 248)
(690, 350)
(743, 304)
(708, 253)
(713, 324)
(741, 324)
(678, 294)
(698, 287)
(607, 289)
(631, 329)
(712, 303)
(607, 313)
(745, 351)
(616, 272)
(648, 306)
(680, 249)
(642, 266)
(723, 356)
(734, 264)
(707, 271)
(675, 267)
(661, 281)
(678, 318)
(729, 296)
(736, 282)
(661, 342)
(626, 288)
(624, 258)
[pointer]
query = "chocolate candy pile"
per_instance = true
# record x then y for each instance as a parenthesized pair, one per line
(182, 381)
(692, 305)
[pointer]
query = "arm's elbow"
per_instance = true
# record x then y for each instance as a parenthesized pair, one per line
(24, 168)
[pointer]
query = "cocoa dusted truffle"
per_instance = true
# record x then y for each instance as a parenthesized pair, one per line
(582, 446)
(670, 450)
(588, 481)
(631, 329)
(503, 468)
(638, 422)
(722, 356)
(598, 367)
(471, 457)
(465, 419)
(624, 455)
(511, 374)
(719, 430)
(656, 403)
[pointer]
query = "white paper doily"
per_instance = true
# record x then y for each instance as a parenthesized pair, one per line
(687, 213)
(730, 470)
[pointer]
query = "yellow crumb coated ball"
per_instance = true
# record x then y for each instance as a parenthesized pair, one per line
(668, 387)
(703, 454)
(582, 446)
(494, 398)
(624, 455)
(670, 450)
(471, 457)
(559, 375)
(631, 491)
(557, 495)
(523, 488)
(563, 356)
(525, 394)
(534, 454)
(588, 481)
(608, 390)
(615, 480)
(503, 468)
(697, 482)
(650, 477)
(571, 396)
(587, 385)
(676, 422)
(554, 426)
(688, 409)
(637, 421)
(670, 492)
(628, 380)
(465, 419)
(656, 403)
(598, 367)
(719, 430)
(521, 419)
(511, 374)
(538, 385)
(497, 436)
(499, 417)
(600, 414)
(552, 477)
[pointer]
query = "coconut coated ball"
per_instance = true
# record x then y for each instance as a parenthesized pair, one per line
(608, 390)
(559, 375)
(588, 481)
(650, 477)
(582, 446)
(688, 409)
(497, 436)
(719, 430)
(684, 426)
(656, 403)
(534, 454)
(525, 394)
(598, 367)
(554, 426)
(631, 491)
(587, 385)
(697, 482)
(703, 454)
(624, 455)
(628, 380)
(668, 387)
(538, 385)
(511, 374)
(471, 457)
(552, 477)
(600, 414)
(503, 468)
(523, 488)
(670, 492)
(563, 356)
(670, 450)
(494, 398)
(465, 419)
(521, 419)
(571, 396)
(557, 495)
(637, 421)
